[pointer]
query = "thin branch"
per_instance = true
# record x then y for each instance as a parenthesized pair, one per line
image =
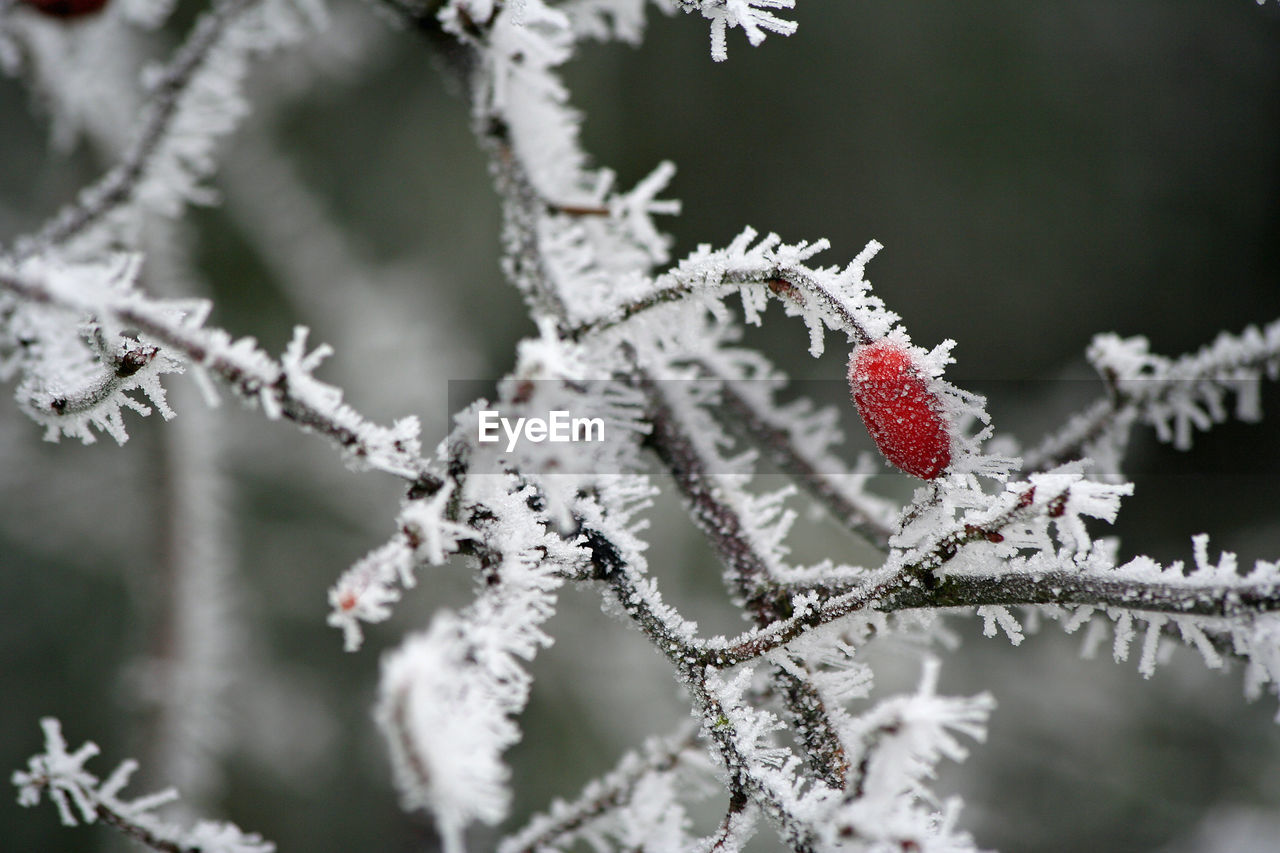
(523, 207)
(598, 798)
(117, 186)
(628, 310)
(114, 376)
(772, 435)
(1226, 601)
(664, 628)
(671, 636)
(253, 376)
(81, 797)
(139, 833)
(747, 573)
(903, 590)
(1157, 384)
(794, 830)
(738, 813)
(792, 283)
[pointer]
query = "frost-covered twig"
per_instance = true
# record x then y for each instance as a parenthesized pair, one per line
(1173, 395)
(448, 694)
(840, 299)
(98, 400)
(634, 775)
(789, 438)
(192, 103)
(284, 389)
(751, 15)
(765, 773)
(747, 571)
(1138, 586)
(83, 798)
(365, 592)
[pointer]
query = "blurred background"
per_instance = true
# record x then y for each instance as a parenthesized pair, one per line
(1038, 173)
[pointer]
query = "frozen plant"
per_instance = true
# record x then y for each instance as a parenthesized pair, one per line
(94, 321)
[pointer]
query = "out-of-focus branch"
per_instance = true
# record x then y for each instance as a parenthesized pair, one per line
(81, 797)
(747, 573)
(564, 821)
(1172, 394)
(283, 389)
(852, 509)
(118, 186)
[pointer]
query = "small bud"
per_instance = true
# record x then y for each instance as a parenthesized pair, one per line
(901, 413)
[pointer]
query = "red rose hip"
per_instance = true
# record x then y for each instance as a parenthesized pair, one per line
(901, 413)
(66, 8)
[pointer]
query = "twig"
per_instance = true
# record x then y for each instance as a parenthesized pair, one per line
(117, 186)
(771, 434)
(1229, 361)
(788, 282)
(253, 376)
(747, 573)
(598, 798)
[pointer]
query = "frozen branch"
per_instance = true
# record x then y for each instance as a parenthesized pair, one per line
(1173, 395)
(98, 400)
(1137, 586)
(839, 298)
(366, 591)
(565, 822)
(751, 15)
(747, 571)
(798, 446)
(832, 769)
(82, 798)
(448, 695)
(188, 108)
(763, 772)
(284, 389)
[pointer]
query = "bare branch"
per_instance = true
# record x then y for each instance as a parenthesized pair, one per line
(1170, 394)
(564, 821)
(117, 187)
(747, 573)
(771, 432)
(253, 376)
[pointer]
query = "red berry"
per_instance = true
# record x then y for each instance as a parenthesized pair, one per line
(901, 413)
(66, 8)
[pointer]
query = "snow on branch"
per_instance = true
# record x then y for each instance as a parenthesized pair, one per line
(566, 232)
(638, 804)
(903, 740)
(1175, 396)
(883, 800)
(770, 774)
(792, 743)
(194, 101)
(753, 16)
(366, 591)
(798, 438)
(81, 797)
(284, 389)
(747, 533)
(448, 694)
(100, 398)
(838, 299)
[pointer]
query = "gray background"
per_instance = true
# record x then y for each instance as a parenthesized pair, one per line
(1038, 173)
